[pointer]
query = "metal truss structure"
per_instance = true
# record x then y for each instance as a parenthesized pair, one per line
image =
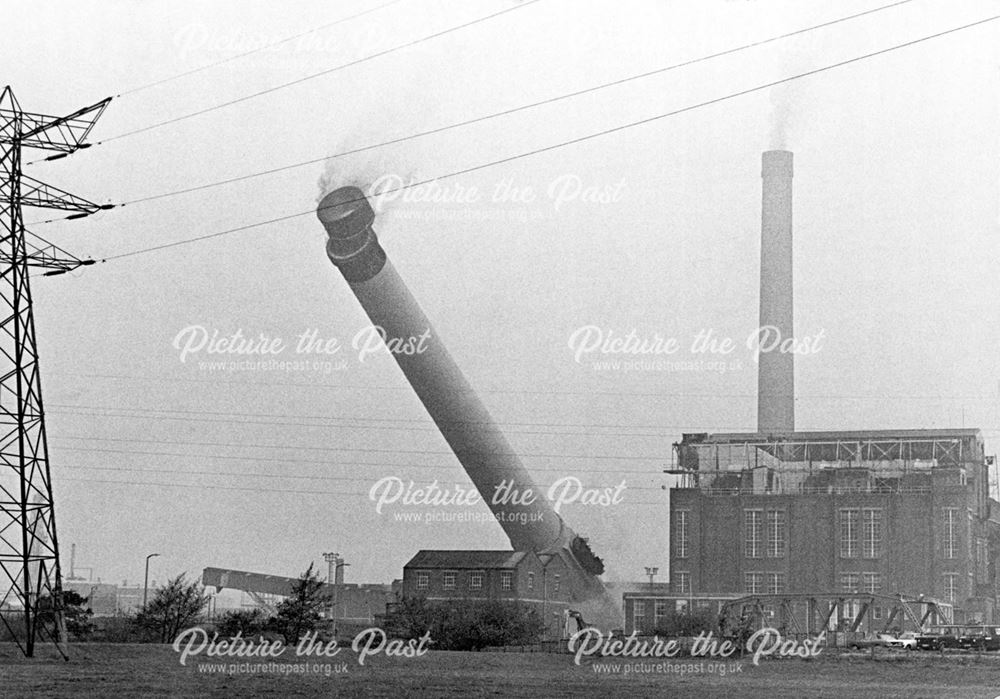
(806, 451)
(30, 578)
(807, 613)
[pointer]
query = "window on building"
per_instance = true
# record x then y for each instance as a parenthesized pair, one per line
(850, 582)
(950, 532)
(982, 561)
(849, 533)
(639, 614)
(682, 580)
(448, 579)
(775, 583)
(753, 583)
(659, 612)
(753, 535)
(423, 580)
(776, 534)
(555, 583)
(506, 580)
(951, 586)
(877, 613)
(531, 581)
(476, 580)
(681, 534)
(871, 523)
(871, 582)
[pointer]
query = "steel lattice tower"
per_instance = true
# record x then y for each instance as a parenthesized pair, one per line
(30, 578)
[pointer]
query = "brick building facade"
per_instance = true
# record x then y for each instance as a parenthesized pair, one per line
(887, 512)
(522, 576)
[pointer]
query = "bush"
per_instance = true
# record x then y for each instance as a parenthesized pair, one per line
(247, 622)
(469, 624)
(300, 613)
(14, 619)
(175, 607)
(76, 617)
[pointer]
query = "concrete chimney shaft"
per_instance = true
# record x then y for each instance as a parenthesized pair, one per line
(461, 417)
(776, 370)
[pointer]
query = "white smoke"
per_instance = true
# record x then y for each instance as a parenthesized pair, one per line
(788, 99)
(782, 101)
(400, 102)
(361, 170)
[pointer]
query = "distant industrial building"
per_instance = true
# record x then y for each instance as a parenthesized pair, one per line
(106, 599)
(102, 598)
(899, 512)
(349, 602)
(839, 530)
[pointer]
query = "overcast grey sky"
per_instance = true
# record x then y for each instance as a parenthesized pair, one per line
(897, 187)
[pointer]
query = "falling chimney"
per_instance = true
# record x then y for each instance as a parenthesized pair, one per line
(776, 370)
(463, 420)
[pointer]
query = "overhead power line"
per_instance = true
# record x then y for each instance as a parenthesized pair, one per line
(286, 491)
(580, 139)
(447, 464)
(165, 413)
(532, 392)
(486, 117)
(314, 30)
(374, 450)
(313, 76)
(296, 420)
(509, 111)
(362, 424)
(371, 481)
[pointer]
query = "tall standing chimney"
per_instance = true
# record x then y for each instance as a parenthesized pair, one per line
(776, 370)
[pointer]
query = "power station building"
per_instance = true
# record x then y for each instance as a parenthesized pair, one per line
(889, 512)
(836, 530)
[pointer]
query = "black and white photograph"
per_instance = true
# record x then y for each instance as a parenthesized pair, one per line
(507, 348)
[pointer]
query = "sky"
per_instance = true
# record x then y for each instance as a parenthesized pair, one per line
(653, 229)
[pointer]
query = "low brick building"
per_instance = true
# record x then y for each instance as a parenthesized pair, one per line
(522, 576)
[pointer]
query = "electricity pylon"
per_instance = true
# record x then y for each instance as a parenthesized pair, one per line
(30, 578)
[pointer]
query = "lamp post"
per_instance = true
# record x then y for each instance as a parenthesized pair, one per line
(145, 586)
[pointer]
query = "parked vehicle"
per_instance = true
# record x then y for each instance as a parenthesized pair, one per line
(980, 637)
(869, 640)
(968, 637)
(938, 637)
(906, 641)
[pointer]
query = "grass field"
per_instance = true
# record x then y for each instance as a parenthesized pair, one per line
(131, 670)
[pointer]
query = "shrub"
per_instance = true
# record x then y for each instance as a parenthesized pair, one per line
(248, 622)
(468, 624)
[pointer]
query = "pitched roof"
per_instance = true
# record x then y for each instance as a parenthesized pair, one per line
(466, 559)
